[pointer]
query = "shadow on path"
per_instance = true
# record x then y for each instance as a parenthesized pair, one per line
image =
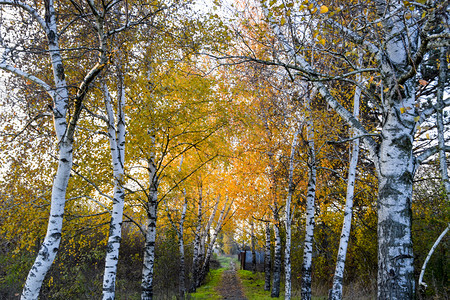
(230, 286)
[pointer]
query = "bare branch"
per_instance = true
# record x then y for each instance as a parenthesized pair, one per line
(32, 11)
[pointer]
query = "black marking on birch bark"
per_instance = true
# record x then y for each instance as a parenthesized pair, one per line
(44, 253)
(387, 190)
(340, 278)
(406, 178)
(60, 72)
(64, 160)
(403, 142)
(150, 244)
(56, 235)
(402, 256)
(109, 248)
(51, 37)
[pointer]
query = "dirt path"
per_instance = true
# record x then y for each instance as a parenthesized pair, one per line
(230, 286)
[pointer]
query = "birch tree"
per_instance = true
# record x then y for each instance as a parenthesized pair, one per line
(209, 249)
(180, 127)
(310, 207)
(197, 238)
(288, 217)
(443, 166)
(116, 135)
(336, 292)
(64, 124)
(179, 228)
(395, 37)
(267, 260)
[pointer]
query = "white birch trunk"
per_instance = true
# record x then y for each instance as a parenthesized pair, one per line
(393, 156)
(442, 157)
(223, 214)
(288, 221)
(395, 162)
(440, 122)
(117, 144)
(150, 239)
(310, 210)
(50, 245)
(336, 292)
(182, 277)
(277, 257)
(267, 259)
(197, 240)
(436, 243)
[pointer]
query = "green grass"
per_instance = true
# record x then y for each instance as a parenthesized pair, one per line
(253, 286)
(224, 260)
(208, 290)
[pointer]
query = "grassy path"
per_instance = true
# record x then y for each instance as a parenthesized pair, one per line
(227, 283)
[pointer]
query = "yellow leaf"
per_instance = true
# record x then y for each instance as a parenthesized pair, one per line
(322, 41)
(323, 9)
(402, 110)
(416, 119)
(407, 16)
(283, 21)
(428, 136)
(311, 6)
(386, 90)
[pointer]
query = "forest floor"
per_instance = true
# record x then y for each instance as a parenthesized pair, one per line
(230, 286)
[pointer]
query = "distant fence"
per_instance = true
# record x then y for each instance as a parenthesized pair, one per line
(245, 257)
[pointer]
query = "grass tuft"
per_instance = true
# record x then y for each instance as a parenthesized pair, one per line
(208, 290)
